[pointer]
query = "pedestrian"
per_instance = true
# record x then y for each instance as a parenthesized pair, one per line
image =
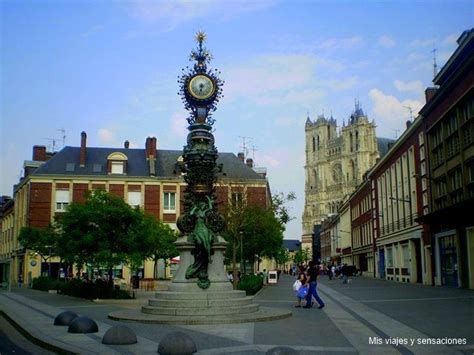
(300, 283)
(312, 282)
(332, 272)
(265, 276)
(344, 272)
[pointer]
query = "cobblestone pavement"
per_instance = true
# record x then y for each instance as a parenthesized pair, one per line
(363, 316)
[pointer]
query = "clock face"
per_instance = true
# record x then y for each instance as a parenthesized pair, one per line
(201, 87)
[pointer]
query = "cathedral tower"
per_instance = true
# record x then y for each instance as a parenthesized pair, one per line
(336, 161)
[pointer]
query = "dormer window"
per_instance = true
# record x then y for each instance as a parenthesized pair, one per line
(117, 163)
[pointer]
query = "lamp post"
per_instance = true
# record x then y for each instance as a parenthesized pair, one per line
(242, 270)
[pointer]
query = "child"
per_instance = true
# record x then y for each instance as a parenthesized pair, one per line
(296, 287)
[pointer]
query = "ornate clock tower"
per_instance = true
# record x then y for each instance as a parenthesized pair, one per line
(200, 91)
(200, 292)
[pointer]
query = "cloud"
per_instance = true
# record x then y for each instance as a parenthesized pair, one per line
(95, 29)
(450, 40)
(106, 136)
(389, 111)
(342, 84)
(386, 41)
(179, 124)
(422, 43)
(170, 14)
(340, 43)
(415, 86)
(268, 161)
(278, 79)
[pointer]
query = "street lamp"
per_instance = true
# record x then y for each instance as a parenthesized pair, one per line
(241, 234)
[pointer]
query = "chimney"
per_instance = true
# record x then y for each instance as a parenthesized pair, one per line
(147, 147)
(82, 154)
(126, 144)
(39, 153)
(429, 93)
(241, 156)
(249, 162)
(408, 123)
(152, 153)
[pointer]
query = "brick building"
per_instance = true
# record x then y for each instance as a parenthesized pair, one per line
(361, 229)
(150, 178)
(448, 119)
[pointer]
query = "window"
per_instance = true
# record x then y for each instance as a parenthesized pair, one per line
(169, 202)
(421, 138)
(237, 199)
(117, 167)
(451, 124)
(422, 153)
(117, 163)
(62, 200)
(453, 145)
(406, 257)
(456, 180)
(134, 198)
(389, 257)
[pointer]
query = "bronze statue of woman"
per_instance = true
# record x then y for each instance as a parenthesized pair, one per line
(202, 237)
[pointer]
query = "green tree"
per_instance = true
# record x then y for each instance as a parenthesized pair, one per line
(158, 241)
(262, 233)
(42, 241)
(280, 207)
(102, 232)
(282, 256)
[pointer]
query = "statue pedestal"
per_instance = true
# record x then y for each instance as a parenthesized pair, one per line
(186, 303)
(216, 270)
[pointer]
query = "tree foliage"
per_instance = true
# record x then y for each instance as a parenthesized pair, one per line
(105, 231)
(43, 241)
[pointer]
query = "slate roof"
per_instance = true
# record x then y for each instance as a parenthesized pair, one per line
(383, 144)
(137, 165)
(292, 244)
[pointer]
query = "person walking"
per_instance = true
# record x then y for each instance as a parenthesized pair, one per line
(299, 283)
(311, 280)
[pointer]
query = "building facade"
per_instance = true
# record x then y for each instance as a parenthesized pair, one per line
(448, 118)
(335, 163)
(362, 239)
(149, 178)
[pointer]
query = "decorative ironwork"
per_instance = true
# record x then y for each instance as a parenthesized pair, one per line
(201, 222)
(200, 108)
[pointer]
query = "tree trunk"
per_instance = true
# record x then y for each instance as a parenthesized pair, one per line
(111, 281)
(155, 269)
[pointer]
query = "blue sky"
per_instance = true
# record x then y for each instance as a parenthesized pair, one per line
(110, 68)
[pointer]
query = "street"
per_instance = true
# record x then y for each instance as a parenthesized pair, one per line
(364, 316)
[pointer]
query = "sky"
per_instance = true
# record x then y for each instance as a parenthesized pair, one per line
(110, 69)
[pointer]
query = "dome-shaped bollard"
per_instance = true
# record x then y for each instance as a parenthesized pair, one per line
(83, 325)
(65, 318)
(177, 343)
(119, 335)
(282, 350)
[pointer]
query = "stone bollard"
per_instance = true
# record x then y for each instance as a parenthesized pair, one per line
(119, 335)
(65, 318)
(83, 325)
(177, 343)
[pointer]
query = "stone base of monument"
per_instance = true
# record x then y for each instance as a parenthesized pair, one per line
(186, 303)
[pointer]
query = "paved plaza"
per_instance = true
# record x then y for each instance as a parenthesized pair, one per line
(359, 317)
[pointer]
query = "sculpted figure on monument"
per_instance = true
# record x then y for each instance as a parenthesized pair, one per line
(202, 237)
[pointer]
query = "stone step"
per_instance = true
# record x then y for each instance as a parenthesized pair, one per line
(199, 295)
(199, 303)
(202, 311)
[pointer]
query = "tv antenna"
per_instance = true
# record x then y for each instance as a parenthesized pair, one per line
(52, 144)
(435, 66)
(411, 112)
(396, 132)
(63, 132)
(244, 146)
(254, 149)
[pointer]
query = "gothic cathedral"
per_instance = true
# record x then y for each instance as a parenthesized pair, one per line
(336, 161)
